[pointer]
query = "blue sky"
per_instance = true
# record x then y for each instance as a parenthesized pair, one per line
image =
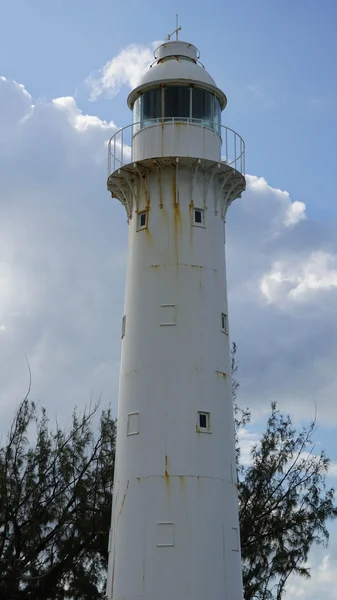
(275, 61)
(63, 242)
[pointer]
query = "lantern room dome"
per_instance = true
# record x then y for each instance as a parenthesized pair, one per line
(177, 62)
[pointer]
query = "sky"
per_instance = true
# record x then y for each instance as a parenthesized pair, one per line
(65, 71)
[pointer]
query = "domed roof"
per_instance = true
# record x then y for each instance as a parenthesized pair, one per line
(176, 62)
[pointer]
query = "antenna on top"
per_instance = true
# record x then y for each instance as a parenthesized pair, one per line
(176, 31)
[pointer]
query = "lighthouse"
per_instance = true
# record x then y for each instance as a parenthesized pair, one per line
(176, 169)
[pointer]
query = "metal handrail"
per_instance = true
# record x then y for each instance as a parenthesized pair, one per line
(120, 150)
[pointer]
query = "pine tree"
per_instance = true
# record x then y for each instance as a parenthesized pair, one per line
(283, 502)
(56, 493)
(55, 498)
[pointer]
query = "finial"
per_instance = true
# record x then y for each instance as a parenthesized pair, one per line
(176, 31)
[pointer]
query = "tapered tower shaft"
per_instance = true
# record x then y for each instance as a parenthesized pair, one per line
(175, 529)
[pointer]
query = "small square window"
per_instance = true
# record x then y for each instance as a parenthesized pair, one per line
(199, 217)
(142, 220)
(203, 423)
(123, 326)
(224, 323)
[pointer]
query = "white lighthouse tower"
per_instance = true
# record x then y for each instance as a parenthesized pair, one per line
(176, 169)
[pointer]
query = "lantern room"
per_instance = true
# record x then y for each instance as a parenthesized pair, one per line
(176, 109)
(177, 86)
(177, 90)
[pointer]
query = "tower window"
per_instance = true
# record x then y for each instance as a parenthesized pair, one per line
(203, 422)
(203, 106)
(177, 102)
(151, 106)
(181, 103)
(142, 220)
(224, 323)
(199, 217)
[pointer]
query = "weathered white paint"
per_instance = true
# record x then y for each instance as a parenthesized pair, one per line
(175, 515)
(176, 138)
(178, 69)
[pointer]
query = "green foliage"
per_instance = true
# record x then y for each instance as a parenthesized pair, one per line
(56, 491)
(283, 501)
(55, 498)
(284, 507)
(241, 416)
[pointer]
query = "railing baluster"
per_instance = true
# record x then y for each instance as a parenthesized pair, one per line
(188, 137)
(173, 135)
(132, 145)
(159, 135)
(240, 154)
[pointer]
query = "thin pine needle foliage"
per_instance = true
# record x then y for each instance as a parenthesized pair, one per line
(284, 503)
(56, 493)
(55, 498)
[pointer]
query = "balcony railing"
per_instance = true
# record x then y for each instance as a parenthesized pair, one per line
(121, 149)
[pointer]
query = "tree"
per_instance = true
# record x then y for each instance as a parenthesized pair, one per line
(283, 502)
(55, 498)
(56, 492)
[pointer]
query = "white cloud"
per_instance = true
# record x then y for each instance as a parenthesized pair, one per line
(62, 264)
(295, 213)
(125, 69)
(298, 280)
(286, 212)
(282, 304)
(77, 119)
(247, 440)
(322, 583)
(333, 469)
(15, 106)
(62, 255)
(63, 245)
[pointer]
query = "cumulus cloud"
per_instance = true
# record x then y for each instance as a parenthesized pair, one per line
(295, 213)
(282, 301)
(125, 69)
(289, 213)
(297, 281)
(77, 118)
(63, 245)
(247, 441)
(322, 583)
(15, 105)
(333, 469)
(62, 264)
(62, 255)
